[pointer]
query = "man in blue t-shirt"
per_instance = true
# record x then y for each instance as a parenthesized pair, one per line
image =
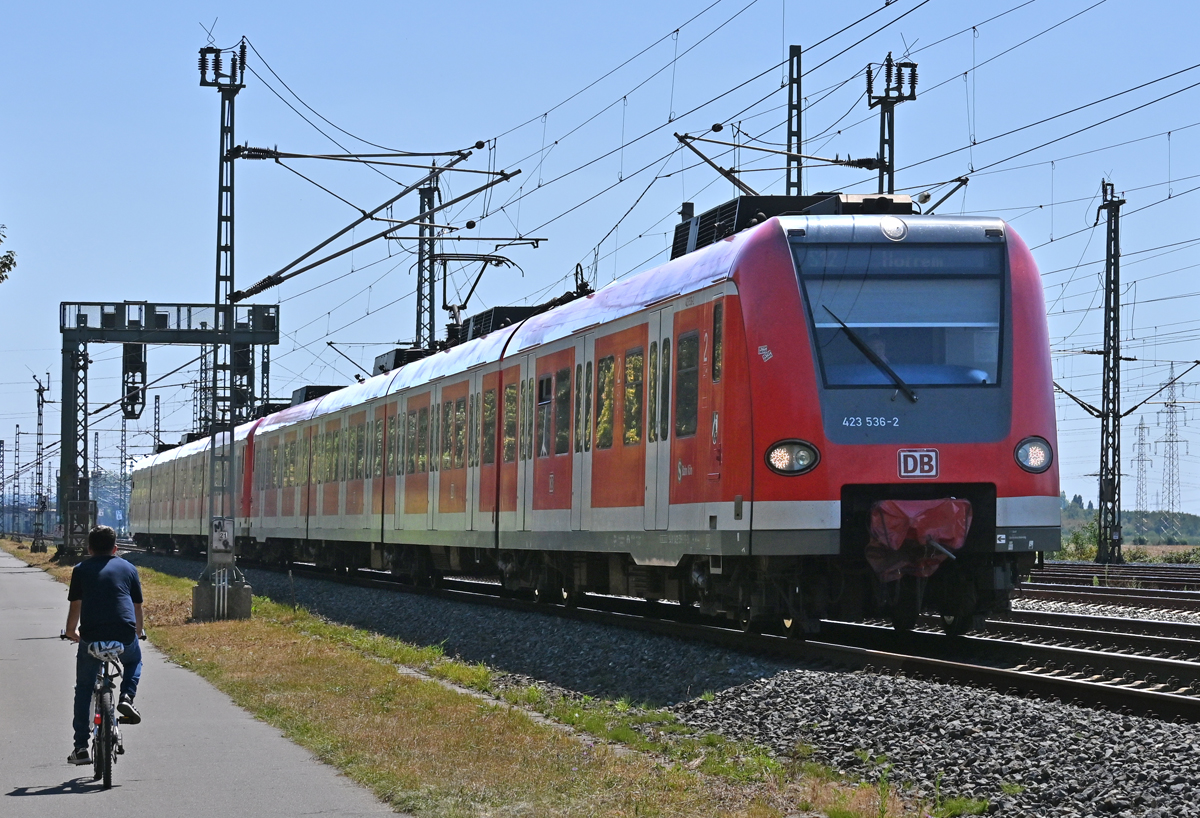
(106, 605)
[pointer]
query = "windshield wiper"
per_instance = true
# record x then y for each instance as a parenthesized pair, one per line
(880, 364)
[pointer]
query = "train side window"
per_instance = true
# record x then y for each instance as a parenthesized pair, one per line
(390, 461)
(562, 411)
(578, 407)
(529, 421)
(377, 455)
(447, 434)
(545, 393)
(435, 418)
(488, 433)
(652, 395)
(587, 410)
(411, 442)
(360, 451)
(524, 413)
(664, 420)
(509, 451)
(339, 468)
(687, 385)
(718, 334)
(460, 432)
(604, 402)
(422, 440)
(635, 362)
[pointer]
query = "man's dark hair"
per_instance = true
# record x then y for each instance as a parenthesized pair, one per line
(102, 540)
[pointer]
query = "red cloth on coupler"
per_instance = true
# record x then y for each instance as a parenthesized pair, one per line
(901, 531)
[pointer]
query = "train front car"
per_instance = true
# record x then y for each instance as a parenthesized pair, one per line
(903, 417)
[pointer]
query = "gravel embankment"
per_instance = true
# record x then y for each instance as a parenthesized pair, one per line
(1026, 757)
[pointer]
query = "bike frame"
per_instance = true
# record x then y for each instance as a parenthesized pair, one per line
(106, 735)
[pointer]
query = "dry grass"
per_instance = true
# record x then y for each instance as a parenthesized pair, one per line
(388, 715)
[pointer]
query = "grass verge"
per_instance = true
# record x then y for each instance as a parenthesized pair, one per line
(388, 715)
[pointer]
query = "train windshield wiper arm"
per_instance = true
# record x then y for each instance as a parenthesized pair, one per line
(871, 356)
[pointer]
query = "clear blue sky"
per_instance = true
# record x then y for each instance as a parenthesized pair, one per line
(108, 161)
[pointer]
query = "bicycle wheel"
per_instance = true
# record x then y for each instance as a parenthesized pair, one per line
(104, 741)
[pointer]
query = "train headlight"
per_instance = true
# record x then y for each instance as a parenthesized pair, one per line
(792, 457)
(1034, 454)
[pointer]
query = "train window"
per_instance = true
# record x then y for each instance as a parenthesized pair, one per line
(545, 393)
(389, 464)
(718, 335)
(604, 402)
(447, 434)
(360, 451)
(578, 407)
(422, 440)
(652, 395)
(529, 421)
(524, 416)
(337, 459)
(460, 432)
(411, 443)
(562, 411)
(509, 451)
(435, 418)
(587, 410)
(664, 421)
(377, 456)
(635, 362)
(472, 428)
(931, 314)
(488, 433)
(687, 385)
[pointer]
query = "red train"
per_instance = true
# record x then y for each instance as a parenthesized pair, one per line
(841, 413)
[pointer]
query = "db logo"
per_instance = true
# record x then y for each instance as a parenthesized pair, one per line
(918, 462)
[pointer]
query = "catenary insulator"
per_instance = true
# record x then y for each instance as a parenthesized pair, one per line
(233, 64)
(887, 67)
(217, 63)
(203, 65)
(870, 82)
(912, 79)
(242, 55)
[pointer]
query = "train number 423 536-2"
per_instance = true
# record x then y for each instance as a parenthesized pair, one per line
(868, 421)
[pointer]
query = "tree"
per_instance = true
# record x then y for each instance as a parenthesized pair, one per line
(8, 259)
(1077, 500)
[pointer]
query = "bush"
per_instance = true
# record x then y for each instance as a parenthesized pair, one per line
(1079, 545)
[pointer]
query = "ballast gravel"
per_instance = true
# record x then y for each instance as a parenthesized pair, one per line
(1025, 757)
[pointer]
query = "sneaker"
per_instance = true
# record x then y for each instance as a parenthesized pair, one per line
(129, 713)
(80, 756)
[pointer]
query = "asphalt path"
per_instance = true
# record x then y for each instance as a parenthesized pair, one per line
(195, 752)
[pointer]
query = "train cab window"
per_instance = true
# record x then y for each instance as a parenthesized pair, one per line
(587, 409)
(488, 432)
(635, 362)
(605, 400)
(664, 421)
(509, 450)
(562, 411)
(718, 336)
(578, 407)
(687, 385)
(545, 394)
(652, 395)
(929, 313)
(460, 432)
(422, 440)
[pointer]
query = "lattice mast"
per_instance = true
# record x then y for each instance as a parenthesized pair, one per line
(157, 423)
(39, 489)
(1169, 417)
(16, 487)
(1108, 529)
(123, 496)
(1140, 462)
(3, 486)
(426, 269)
(230, 385)
(795, 163)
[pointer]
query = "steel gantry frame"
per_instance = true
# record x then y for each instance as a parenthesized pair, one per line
(39, 489)
(893, 94)
(126, 322)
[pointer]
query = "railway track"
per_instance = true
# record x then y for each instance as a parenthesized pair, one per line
(1101, 665)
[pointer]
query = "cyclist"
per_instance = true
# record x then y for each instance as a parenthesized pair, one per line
(106, 605)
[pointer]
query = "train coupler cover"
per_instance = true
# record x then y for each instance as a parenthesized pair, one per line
(914, 537)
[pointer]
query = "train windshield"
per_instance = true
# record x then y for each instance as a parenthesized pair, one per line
(911, 314)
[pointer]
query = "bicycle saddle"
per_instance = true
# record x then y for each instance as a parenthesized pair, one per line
(106, 651)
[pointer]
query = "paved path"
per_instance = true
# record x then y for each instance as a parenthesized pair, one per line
(195, 752)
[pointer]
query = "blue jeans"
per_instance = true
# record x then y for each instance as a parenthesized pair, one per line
(87, 669)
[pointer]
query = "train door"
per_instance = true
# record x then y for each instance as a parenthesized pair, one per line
(689, 403)
(452, 451)
(618, 451)
(658, 414)
(435, 458)
(475, 432)
(581, 465)
(525, 457)
(712, 402)
(416, 463)
(308, 497)
(402, 454)
(552, 461)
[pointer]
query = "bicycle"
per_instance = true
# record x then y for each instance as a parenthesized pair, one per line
(106, 735)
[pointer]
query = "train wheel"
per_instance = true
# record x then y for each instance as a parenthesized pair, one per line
(746, 622)
(956, 625)
(907, 606)
(793, 627)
